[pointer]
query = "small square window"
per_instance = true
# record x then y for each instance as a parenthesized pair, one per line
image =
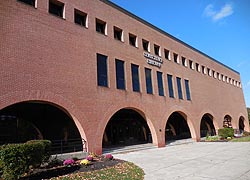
(167, 54)
(118, 34)
(100, 26)
(213, 73)
(176, 58)
(56, 8)
(29, 2)
(132, 40)
(145, 45)
(157, 50)
(203, 70)
(80, 18)
(191, 64)
(197, 67)
(184, 61)
(209, 72)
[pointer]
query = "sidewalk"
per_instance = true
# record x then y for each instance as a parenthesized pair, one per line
(194, 161)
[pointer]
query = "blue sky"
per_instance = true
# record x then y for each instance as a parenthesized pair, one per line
(219, 28)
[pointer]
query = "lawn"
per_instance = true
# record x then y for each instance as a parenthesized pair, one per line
(121, 171)
(241, 139)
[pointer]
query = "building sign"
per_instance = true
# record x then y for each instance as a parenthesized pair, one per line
(153, 60)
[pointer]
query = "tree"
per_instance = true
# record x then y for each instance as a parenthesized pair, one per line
(248, 112)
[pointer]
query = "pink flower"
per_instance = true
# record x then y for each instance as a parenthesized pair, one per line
(68, 162)
(109, 156)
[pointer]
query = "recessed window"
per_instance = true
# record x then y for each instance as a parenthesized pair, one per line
(102, 70)
(191, 64)
(170, 86)
(184, 61)
(120, 74)
(157, 50)
(187, 90)
(218, 76)
(118, 35)
(214, 73)
(197, 67)
(160, 84)
(209, 72)
(167, 54)
(148, 77)
(145, 45)
(203, 70)
(80, 18)
(178, 81)
(132, 40)
(56, 8)
(176, 58)
(29, 2)
(135, 77)
(101, 26)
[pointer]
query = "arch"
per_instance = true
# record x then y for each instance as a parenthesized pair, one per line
(241, 124)
(227, 121)
(207, 125)
(126, 127)
(45, 96)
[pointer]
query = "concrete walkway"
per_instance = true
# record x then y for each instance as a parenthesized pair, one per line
(194, 161)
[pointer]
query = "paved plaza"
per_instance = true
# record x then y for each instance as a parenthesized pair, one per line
(194, 161)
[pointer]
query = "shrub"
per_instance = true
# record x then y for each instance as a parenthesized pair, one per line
(226, 132)
(16, 159)
(68, 162)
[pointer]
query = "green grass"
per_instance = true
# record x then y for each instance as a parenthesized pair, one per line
(241, 139)
(122, 171)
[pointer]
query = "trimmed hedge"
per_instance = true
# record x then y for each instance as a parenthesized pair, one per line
(226, 132)
(16, 159)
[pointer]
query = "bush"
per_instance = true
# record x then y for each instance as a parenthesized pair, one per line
(16, 159)
(226, 132)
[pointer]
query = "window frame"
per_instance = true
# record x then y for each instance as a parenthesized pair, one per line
(59, 4)
(120, 74)
(102, 74)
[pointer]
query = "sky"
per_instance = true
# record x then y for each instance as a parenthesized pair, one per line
(218, 28)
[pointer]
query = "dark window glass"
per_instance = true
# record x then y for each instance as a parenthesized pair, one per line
(183, 59)
(117, 33)
(148, 81)
(100, 26)
(102, 70)
(157, 50)
(197, 67)
(160, 84)
(190, 64)
(170, 86)
(80, 18)
(166, 52)
(145, 45)
(135, 77)
(120, 78)
(187, 90)
(132, 40)
(56, 8)
(178, 80)
(176, 58)
(29, 2)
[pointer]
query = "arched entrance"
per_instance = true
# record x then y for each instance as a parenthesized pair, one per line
(177, 127)
(207, 126)
(40, 120)
(241, 124)
(126, 127)
(227, 123)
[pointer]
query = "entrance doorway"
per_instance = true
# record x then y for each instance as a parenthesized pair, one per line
(177, 128)
(241, 124)
(227, 123)
(207, 126)
(126, 127)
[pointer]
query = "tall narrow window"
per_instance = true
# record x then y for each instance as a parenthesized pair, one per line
(29, 2)
(132, 40)
(102, 70)
(170, 86)
(80, 18)
(187, 90)
(149, 87)
(118, 34)
(160, 83)
(100, 26)
(157, 50)
(178, 80)
(167, 54)
(135, 77)
(56, 8)
(120, 75)
(145, 45)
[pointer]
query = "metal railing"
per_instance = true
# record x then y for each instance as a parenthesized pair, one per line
(71, 145)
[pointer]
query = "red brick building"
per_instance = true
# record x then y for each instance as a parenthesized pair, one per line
(90, 69)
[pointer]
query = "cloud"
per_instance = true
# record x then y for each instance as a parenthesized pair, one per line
(225, 11)
(248, 84)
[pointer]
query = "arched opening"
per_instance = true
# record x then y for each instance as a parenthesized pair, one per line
(126, 127)
(207, 126)
(177, 128)
(241, 124)
(227, 123)
(40, 120)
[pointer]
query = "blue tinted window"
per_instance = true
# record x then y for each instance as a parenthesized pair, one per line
(135, 77)
(170, 86)
(178, 80)
(187, 90)
(102, 74)
(160, 84)
(120, 79)
(148, 81)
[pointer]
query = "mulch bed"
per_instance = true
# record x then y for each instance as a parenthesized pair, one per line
(38, 174)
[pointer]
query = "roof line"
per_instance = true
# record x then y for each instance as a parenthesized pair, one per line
(163, 32)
